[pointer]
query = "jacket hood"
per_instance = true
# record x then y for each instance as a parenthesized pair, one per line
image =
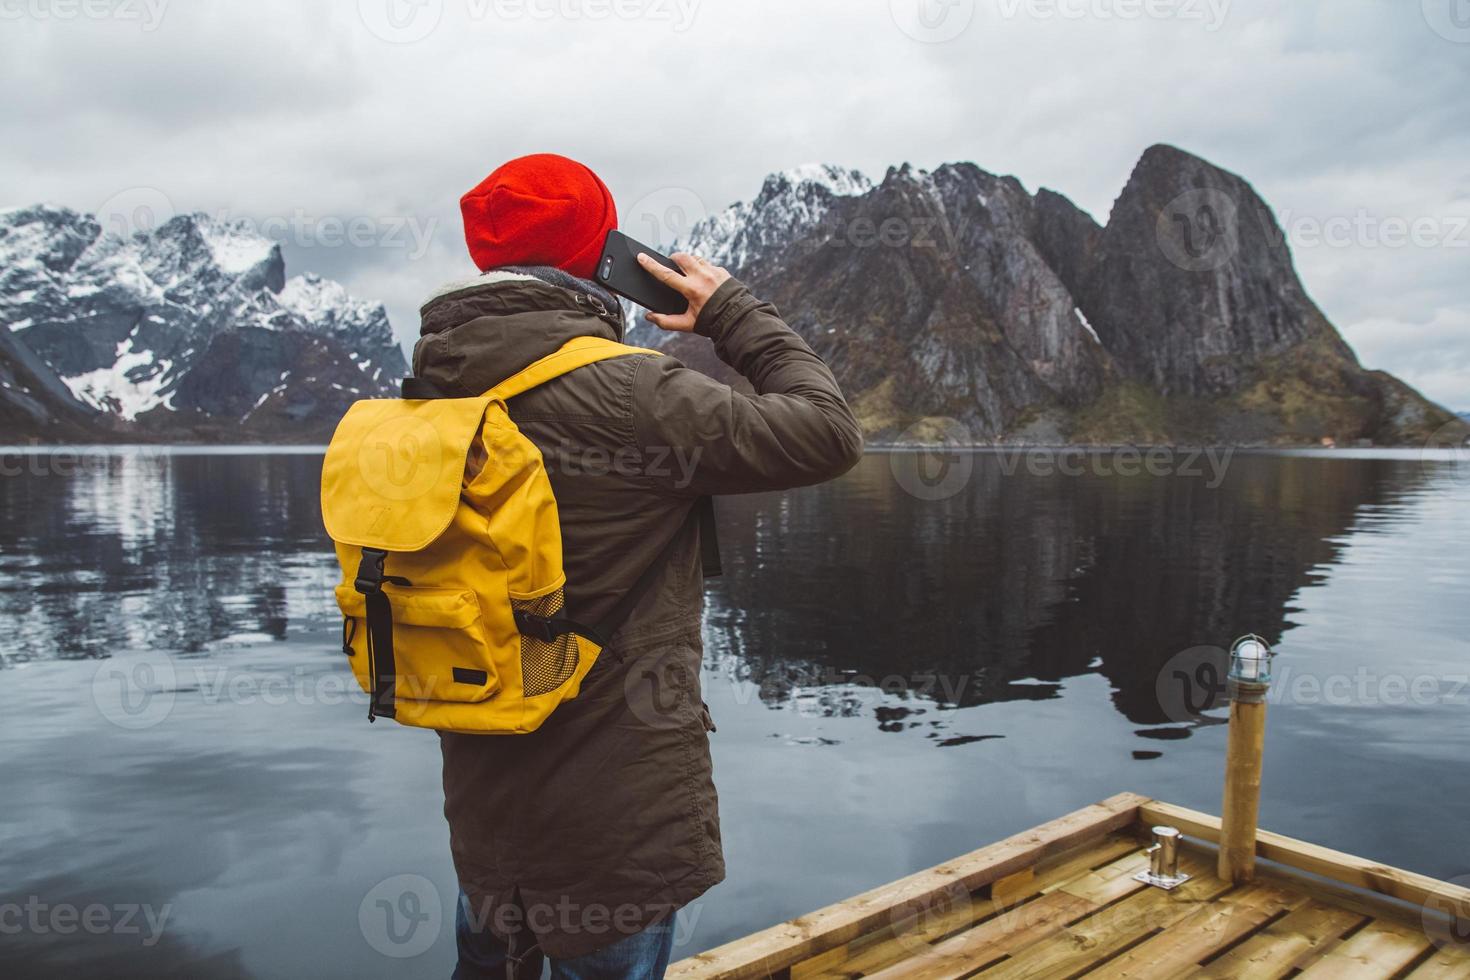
(475, 333)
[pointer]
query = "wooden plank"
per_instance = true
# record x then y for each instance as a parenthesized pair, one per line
(1056, 872)
(1380, 950)
(1099, 936)
(1179, 948)
(1012, 888)
(959, 956)
(891, 945)
(784, 945)
(824, 964)
(1447, 963)
(1406, 886)
(1289, 944)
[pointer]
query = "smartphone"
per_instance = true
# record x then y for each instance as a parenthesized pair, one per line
(619, 271)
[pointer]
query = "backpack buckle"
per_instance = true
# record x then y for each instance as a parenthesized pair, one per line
(370, 571)
(370, 577)
(536, 627)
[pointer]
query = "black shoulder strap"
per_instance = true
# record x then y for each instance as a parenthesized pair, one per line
(702, 516)
(709, 538)
(420, 389)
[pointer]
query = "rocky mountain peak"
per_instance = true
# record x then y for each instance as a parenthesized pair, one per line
(193, 319)
(49, 235)
(190, 245)
(952, 304)
(1192, 286)
(789, 201)
(955, 302)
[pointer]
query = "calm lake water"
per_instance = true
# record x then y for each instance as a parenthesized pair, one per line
(904, 665)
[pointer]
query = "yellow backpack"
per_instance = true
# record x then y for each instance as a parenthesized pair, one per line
(450, 545)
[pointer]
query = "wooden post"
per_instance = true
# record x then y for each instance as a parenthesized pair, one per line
(1241, 808)
(1240, 811)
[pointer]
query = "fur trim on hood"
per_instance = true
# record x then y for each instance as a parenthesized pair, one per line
(550, 275)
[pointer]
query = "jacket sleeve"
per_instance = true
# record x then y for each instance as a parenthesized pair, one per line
(796, 429)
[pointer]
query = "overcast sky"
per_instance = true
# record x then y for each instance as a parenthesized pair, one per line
(1351, 117)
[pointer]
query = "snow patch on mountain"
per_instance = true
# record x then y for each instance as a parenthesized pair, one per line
(837, 181)
(790, 201)
(1087, 325)
(129, 323)
(234, 248)
(133, 385)
(326, 305)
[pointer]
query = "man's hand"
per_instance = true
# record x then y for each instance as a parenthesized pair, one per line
(697, 285)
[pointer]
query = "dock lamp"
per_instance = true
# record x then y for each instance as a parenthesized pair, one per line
(1250, 661)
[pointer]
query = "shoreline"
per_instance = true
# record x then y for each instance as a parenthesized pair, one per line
(310, 449)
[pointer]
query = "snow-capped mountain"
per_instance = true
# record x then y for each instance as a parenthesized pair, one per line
(954, 303)
(190, 327)
(791, 205)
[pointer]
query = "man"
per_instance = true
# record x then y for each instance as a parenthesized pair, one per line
(579, 842)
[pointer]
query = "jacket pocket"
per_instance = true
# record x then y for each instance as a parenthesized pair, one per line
(440, 650)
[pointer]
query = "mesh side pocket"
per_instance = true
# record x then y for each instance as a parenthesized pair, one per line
(546, 666)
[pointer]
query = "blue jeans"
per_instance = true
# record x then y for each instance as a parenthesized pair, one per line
(484, 956)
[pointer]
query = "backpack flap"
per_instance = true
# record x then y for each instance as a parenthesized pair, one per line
(392, 476)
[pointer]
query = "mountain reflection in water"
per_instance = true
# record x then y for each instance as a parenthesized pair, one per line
(901, 668)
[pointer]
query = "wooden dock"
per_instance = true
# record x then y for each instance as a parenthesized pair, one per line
(1061, 901)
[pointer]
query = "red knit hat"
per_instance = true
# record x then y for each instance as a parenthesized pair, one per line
(539, 210)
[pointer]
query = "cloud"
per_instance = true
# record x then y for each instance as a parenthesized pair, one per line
(387, 110)
(1431, 355)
